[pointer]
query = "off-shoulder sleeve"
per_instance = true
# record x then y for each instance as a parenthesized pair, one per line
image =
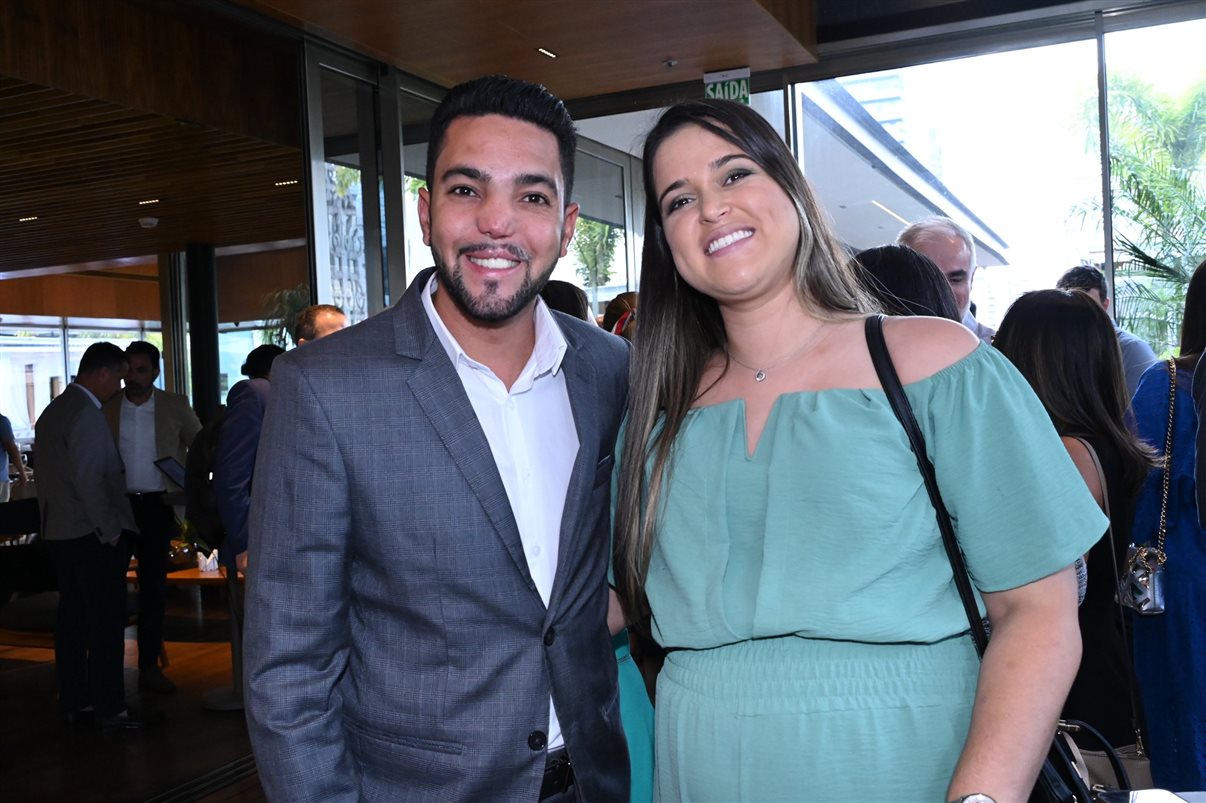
(1020, 507)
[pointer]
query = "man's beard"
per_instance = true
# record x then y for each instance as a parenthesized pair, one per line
(491, 307)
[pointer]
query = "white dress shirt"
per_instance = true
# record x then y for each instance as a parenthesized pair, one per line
(137, 446)
(530, 429)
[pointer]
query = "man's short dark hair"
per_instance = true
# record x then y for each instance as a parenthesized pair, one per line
(306, 325)
(508, 97)
(1084, 277)
(101, 356)
(259, 361)
(148, 349)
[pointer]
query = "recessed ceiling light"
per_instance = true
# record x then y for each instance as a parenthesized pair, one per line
(548, 53)
(27, 219)
(286, 183)
(148, 201)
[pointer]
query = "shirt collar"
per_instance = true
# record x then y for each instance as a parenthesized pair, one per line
(547, 353)
(91, 395)
(146, 406)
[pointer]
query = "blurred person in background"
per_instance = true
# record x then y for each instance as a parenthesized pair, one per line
(952, 248)
(905, 282)
(1170, 648)
(1063, 342)
(1137, 355)
(148, 424)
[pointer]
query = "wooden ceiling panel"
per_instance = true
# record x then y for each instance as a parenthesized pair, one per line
(81, 166)
(601, 47)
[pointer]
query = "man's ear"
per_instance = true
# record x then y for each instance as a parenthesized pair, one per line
(567, 231)
(425, 214)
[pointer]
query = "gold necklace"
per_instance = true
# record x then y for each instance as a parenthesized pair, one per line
(760, 373)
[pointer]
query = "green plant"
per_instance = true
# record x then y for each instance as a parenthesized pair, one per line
(595, 246)
(1158, 172)
(280, 311)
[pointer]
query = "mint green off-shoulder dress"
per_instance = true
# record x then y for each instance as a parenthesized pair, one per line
(819, 648)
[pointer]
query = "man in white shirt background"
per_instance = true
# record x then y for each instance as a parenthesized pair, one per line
(149, 424)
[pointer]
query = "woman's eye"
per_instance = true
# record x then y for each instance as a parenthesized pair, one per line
(736, 175)
(677, 203)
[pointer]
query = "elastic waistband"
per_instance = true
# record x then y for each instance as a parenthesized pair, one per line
(815, 673)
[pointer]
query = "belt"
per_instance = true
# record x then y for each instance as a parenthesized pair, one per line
(558, 774)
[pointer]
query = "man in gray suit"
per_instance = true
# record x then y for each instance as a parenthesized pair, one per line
(426, 621)
(86, 518)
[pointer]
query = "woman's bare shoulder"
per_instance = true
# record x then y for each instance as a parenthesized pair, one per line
(921, 346)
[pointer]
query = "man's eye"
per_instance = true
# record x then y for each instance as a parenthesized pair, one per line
(462, 191)
(536, 198)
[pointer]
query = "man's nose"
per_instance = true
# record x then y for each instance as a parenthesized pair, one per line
(495, 218)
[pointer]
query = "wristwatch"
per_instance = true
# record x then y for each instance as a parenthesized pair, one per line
(978, 797)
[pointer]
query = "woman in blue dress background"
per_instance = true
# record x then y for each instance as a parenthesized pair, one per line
(1170, 648)
(772, 528)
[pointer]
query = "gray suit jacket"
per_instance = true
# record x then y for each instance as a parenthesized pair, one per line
(396, 646)
(81, 481)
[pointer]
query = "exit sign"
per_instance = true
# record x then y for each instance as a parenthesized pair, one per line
(728, 85)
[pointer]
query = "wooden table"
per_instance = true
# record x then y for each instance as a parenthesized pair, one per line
(188, 577)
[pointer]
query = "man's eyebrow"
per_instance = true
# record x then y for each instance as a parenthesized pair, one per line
(465, 171)
(528, 179)
(715, 164)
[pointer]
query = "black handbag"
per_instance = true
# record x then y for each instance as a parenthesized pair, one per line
(1058, 780)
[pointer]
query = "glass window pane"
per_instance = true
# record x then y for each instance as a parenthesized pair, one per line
(31, 374)
(233, 347)
(597, 260)
(416, 118)
(1006, 144)
(1157, 98)
(78, 341)
(349, 133)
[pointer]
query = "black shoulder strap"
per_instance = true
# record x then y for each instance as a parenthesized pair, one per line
(890, 382)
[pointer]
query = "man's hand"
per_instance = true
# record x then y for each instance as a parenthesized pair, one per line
(241, 562)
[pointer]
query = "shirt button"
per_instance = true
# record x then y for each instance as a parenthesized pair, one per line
(550, 636)
(537, 740)
(535, 551)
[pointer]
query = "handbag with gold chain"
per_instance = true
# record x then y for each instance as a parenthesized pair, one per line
(1142, 586)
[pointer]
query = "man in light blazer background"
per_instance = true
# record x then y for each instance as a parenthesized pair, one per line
(86, 518)
(427, 616)
(149, 424)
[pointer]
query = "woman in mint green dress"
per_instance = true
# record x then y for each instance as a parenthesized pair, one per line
(772, 528)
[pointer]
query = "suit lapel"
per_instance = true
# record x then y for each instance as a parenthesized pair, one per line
(583, 397)
(439, 393)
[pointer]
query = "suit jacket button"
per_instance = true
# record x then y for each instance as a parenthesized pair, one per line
(537, 740)
(550, 636)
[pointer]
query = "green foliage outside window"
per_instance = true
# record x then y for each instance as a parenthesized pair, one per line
(595, 246)
(1158, 171)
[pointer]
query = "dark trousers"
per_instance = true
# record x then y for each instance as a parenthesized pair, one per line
(89, 645)
(156, 528)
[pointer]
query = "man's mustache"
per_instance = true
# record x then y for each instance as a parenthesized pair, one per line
(513, 250)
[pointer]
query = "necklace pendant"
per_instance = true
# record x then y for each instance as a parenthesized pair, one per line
(759, 375)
